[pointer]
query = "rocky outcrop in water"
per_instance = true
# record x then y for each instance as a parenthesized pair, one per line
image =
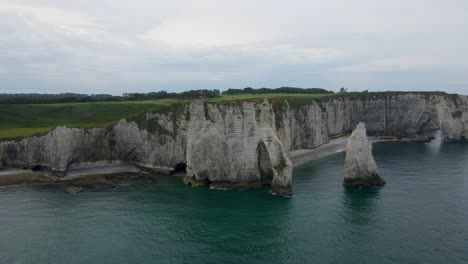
(237, 145)
(73, 189)
(360, 167)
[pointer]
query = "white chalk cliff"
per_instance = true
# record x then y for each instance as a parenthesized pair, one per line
(240, 144)
(360, 167)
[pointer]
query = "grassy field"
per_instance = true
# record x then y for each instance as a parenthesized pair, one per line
(17, 121)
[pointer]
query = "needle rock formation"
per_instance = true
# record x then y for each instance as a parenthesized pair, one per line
(360, 167)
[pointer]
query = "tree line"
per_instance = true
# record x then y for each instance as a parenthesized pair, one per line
(35, 98)
(290, 90)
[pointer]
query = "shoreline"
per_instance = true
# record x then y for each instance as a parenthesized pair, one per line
(111, 174)
(88, 176)
(102, 169)
(302, 156)
(337, 145)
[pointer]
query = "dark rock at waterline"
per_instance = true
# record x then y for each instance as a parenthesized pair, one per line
(243, 185)
(282, 191)
(194, 182)
(109, 180)
(368, 182)
(24, 176)
(91, 181)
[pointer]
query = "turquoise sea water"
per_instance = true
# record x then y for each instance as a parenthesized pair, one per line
(420, 216)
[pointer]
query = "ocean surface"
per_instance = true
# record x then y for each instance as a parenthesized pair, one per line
(420, 216)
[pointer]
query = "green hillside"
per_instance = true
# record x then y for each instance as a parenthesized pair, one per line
(17, 121)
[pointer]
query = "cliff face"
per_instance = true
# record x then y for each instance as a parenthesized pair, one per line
(360, 167)
(157, 151)
(405, 115)
(453, 119)
(239, 144)
(56, 150)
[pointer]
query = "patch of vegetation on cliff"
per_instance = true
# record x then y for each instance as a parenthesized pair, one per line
(174, 111)
(457, 114)
(278, 106)
(281, 165)
(207, 114)
(455, 98)
(151, 125)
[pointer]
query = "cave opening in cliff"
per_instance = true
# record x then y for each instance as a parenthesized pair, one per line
(180, 168)
(36, 168)
(265, 166)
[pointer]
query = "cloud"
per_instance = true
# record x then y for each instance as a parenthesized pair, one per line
(124, 46)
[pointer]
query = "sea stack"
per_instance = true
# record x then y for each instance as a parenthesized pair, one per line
(360, 168)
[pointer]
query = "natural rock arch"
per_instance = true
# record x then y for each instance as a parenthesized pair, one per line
(429, 122)
(36, 168)
(274, 167)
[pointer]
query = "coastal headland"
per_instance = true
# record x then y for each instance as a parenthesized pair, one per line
(226, 142)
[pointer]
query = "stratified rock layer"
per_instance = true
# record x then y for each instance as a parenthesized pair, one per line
(360, 167)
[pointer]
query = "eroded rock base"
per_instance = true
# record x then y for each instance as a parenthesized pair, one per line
(244, 185)
(26, 177)
(361, 171)
(194, 182)
(235, 185)
(365, 182)
(222, 185)
(281, 190)
(85, 181)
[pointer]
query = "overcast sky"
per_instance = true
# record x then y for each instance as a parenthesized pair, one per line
(117, 46)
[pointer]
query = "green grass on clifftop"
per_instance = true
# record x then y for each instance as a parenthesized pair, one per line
(241, 97)
(17, 121)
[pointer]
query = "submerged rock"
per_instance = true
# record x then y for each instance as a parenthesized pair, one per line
(360, 167)
(11, 176)
(74, 189)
